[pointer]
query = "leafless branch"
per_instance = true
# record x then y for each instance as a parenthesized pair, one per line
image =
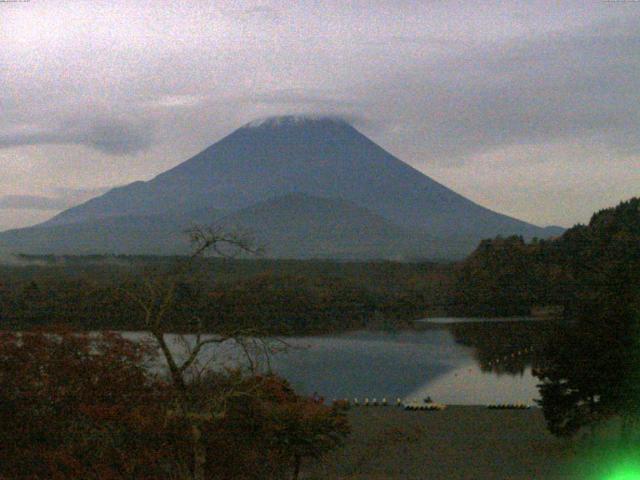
(157, 298)
(196, 351)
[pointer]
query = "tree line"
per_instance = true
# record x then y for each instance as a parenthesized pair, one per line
(287, 297)
(589, 366)
(92, 405)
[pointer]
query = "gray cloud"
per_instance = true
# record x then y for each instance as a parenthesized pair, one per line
(440, 84)
(116, 137)
(112, 136)
(459, 93)
(310, 98)
(578, 85)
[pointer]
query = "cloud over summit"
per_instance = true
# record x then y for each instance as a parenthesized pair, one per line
(440, 84)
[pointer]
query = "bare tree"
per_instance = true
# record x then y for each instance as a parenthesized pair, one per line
(156, 297)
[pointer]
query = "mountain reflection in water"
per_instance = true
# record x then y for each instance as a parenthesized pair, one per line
(459, 363)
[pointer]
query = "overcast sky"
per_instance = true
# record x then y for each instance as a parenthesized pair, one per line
(529, 108)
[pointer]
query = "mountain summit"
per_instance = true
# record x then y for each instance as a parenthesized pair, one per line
(326, 161)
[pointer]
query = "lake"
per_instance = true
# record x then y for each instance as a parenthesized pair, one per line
(452, 362)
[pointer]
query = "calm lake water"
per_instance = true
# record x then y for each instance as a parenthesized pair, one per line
(452, 362)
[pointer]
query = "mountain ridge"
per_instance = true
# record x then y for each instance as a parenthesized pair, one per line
(323, 157)
(321, 232)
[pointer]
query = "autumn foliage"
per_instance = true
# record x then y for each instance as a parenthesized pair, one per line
(86, 406)
(269, 432)
(75, 406)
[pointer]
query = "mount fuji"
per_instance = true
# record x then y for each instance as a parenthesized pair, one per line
(306, 187)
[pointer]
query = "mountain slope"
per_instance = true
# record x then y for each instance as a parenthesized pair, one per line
(127, 234)
(302, 226)
(289, 226)
(321, 157)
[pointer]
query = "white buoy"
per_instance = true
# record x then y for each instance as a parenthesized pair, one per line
(384, 401)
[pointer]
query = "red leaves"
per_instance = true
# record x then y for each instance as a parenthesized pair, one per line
(69, 405)
(84, 406)
(272, 428)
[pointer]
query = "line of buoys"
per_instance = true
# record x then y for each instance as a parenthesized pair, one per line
(374, 402)
(497, 361)
(424, 406)
(366, 402)
(416, 405)
(509, 406)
